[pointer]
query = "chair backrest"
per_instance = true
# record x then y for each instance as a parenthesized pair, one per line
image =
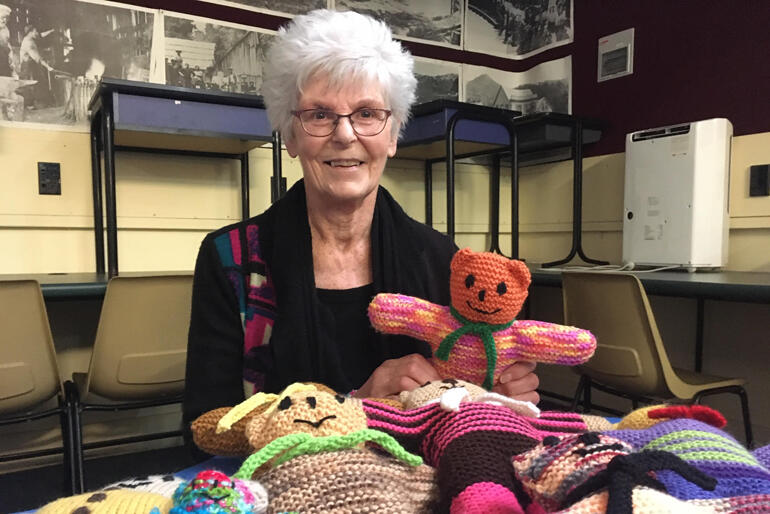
(629, 355)
(29, 374)
(141, 342)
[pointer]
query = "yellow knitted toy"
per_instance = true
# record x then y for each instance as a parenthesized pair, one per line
(118, 501)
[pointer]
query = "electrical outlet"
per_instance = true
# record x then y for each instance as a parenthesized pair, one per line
(49, 178)
(759, 180)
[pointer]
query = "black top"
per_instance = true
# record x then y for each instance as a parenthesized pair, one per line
(303, 338)
(355, 336)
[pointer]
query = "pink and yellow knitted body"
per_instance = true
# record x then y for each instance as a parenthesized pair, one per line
(525, 340)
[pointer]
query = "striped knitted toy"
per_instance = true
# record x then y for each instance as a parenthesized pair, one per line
(594, 470)
(351, 480)
(471, 447)
(477, 337)
(709, 449)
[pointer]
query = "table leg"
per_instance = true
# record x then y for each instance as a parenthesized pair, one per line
(96, 184)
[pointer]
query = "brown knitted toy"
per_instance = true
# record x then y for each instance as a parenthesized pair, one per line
(231, 442)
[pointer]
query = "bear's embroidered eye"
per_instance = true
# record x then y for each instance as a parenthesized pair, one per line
(285, 403)
(469, 281)
(501, 289)
(339, 398)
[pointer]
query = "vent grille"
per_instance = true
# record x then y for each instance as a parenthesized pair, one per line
(673, 130)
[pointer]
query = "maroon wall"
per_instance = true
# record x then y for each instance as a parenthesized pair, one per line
(693, 59)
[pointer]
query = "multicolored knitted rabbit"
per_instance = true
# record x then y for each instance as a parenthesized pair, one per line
(478, 336)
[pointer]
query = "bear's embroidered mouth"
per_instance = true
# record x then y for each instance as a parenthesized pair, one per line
(482, 311)
(315, 424)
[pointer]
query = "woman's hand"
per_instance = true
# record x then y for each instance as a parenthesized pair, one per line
(396, 375)
(519, 381)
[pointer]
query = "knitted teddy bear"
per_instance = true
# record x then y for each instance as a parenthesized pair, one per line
(478, 336)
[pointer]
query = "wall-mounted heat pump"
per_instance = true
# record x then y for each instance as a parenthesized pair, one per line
(676, 195)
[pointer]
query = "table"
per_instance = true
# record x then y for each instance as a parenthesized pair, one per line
(732, 286)
(144, 117)
(78, 286)
(435, 134)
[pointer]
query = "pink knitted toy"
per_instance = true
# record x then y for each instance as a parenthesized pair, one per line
(477, 337)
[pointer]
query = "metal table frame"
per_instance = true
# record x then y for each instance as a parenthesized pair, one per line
(104, 124)
(528, 136)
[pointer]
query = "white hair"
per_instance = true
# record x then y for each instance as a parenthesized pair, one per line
(343, 47)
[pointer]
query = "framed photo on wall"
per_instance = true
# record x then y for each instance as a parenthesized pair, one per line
(437, 80)
(517, 29)
(437, 22)
(277, 7)
(546, 87)
(53, 53)
(206, 54)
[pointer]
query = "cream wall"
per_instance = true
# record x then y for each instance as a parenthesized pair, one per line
(167, 204)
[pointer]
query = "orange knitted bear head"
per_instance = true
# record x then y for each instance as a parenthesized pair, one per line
(487, 287)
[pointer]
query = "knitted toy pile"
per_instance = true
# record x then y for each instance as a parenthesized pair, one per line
(477, 336)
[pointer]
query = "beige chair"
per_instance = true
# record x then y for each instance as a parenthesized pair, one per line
(630, 358)
(29, 374)
(139, 355)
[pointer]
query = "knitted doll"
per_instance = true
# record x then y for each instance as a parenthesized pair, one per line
(591, 473)
(310, 456)
(477, 337)
(470, 444)
(122, 501)
(228, 438)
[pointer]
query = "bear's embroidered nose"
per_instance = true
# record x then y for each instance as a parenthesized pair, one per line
(482, 293)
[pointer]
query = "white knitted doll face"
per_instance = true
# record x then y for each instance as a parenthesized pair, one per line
(432, 391)
(313, 412)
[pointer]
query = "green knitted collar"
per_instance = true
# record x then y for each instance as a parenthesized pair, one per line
(481, 329)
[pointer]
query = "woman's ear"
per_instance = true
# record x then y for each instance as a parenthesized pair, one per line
(291, 146)
(393, 143)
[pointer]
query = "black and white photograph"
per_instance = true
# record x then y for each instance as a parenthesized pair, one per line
(436, 80)
(53, 53)
(546, 87)
(204, 55)
(432, 21)
(517, 29)
(278, 7)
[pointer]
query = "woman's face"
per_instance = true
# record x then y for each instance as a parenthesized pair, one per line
(343, 166)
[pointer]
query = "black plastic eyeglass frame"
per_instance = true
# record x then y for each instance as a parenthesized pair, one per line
(298, 114)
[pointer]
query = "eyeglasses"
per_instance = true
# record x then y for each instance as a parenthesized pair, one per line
(321, 123)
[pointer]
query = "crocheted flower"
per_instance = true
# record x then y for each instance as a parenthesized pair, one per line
(477, 337)
(213, 492)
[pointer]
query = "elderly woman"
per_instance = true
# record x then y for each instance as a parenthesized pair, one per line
(282, 297)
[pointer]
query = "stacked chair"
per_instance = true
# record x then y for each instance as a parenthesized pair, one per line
(29, 374)
(138, 357)
(630, 359)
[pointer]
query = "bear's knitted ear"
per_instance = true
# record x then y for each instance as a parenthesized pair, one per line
(520, 272)
(460, 259)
